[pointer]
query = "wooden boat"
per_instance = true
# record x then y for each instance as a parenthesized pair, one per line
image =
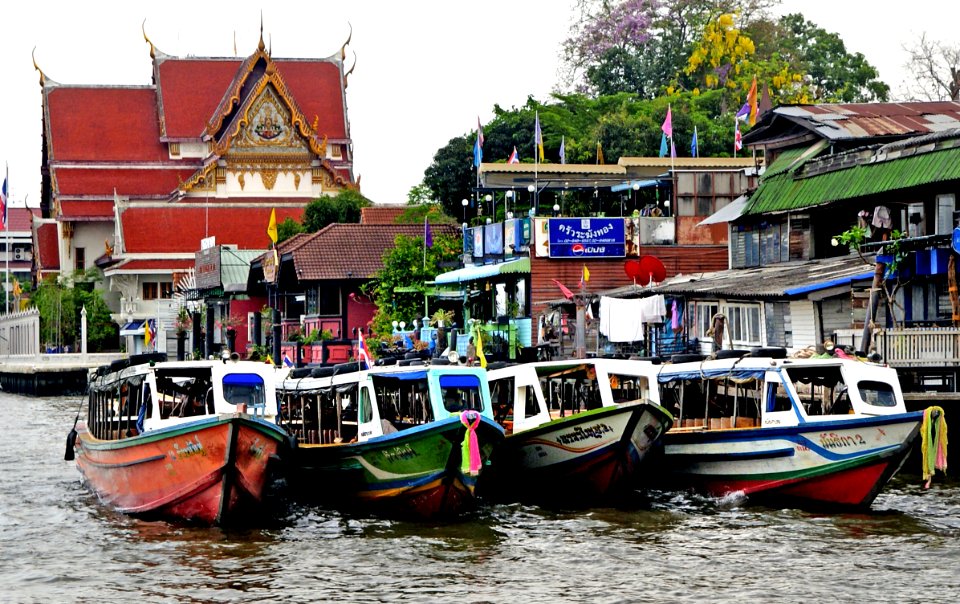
(188, 440)
(402, 441)
(811, 432)
(586, 448)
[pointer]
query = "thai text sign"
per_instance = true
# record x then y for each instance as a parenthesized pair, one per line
(586, 237)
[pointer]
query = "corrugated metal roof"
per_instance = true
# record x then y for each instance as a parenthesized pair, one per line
(689, 163)
(871, 120)
(878, 174)
(235, 268)
(554, 168)
(775, 281)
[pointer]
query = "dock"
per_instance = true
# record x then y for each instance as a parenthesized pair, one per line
(51, 374)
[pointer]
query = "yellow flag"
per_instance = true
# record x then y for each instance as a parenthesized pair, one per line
(586, 273)
(480, 355)
(146, 334)
(272, 227)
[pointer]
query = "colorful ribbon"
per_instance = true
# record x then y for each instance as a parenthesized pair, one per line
(470, 462)
(933, 443)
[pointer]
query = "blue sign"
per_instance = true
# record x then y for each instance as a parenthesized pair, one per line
(956, 240)
(586, 238)
(493, 239)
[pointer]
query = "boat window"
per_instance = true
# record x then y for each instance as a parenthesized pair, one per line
(529, 396)
(626, 388)
(246, 388)
(183, 395)
(366, 409)
(879, 394)
(403, 401)
(821, 389)
(501, 396)
(461, 392)
(570, 389)
(779, 399)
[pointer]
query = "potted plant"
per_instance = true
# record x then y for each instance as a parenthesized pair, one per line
(182, 325)
(229, 325)
(441, 319)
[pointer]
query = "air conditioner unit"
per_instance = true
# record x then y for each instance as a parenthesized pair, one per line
(18, 253)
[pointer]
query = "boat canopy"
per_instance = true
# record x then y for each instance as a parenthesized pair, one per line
(745, 373)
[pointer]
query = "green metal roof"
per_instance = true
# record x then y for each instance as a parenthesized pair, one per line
(235, 267)
(784, 191)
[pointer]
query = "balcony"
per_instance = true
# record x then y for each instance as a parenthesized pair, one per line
(910, 347)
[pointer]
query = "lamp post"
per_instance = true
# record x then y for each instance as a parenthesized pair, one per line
(556, 209)
(464, 203)
(507, 197)
(493, 208)
(533, 198)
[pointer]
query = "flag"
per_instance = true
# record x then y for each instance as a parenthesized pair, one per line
(667, 126)
(287, 362)
(363, 353)
(149, 333)
(744, 112)
(427, 234)
(563, 150)
(538, 137)
(480, 355)
(663, 144)
(694, 145)
(3, 198)
(599, 153)
(477, 153)
(17, 290)
(737, 141)
(673, 149)
(566, 290)
(584, 276)
(272, 226)
(752, 99)
(479, 131)
(513, 159)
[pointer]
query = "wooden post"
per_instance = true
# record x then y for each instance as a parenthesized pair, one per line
(878, 271)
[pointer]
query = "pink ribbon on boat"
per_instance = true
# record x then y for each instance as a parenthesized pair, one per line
(470, 450)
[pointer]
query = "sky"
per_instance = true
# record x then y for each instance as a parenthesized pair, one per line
(426, 69)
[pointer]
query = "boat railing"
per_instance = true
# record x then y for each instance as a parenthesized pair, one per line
(910, 346)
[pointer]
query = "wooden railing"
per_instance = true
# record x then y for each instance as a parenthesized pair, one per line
(910, 347)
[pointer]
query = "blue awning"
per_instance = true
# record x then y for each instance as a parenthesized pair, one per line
(641, 184)
(133, 328)
(812, 287)
(473, 273)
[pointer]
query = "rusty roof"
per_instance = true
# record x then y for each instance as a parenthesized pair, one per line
(858, 121)
(689, 163)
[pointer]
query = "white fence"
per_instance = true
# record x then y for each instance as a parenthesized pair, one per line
(910, 347)
(20, 333)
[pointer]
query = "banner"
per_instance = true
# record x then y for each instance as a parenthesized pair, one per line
(586, 237)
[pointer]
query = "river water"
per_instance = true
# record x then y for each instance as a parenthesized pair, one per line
(58, 544)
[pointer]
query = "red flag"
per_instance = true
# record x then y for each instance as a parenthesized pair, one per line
(363, 353)
(737, 140)
(513, 157)
(563, 288)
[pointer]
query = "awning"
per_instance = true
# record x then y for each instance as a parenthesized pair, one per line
(133, 328)
(640, 184)
(731, 211)
(820, 285)
(473, 273)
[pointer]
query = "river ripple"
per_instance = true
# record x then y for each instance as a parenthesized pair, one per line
(58, 544)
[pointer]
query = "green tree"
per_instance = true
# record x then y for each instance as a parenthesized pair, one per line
(397, 289)
(342, 207)
(60, 308)
(288, 228)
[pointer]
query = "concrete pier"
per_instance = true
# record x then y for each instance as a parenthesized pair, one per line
(50, 374)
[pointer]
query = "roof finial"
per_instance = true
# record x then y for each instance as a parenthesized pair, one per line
(343, 49)
(143, 28)
(352, 67)
(261, 46)
(43, 78)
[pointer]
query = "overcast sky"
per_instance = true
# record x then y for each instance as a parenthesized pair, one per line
(426, 70)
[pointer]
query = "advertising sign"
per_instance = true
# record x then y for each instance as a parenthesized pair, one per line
(477, 242)
(586, 238)
(493, 239)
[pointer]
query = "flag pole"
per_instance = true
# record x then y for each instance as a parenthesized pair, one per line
(6, 227)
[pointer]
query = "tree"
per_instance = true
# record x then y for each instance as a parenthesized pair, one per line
(831, 74)
(404, 270)
(451, 176)
(287, 229)
(342, 207)
(936, 70)
(60, 308)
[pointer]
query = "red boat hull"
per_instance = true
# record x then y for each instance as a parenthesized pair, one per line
(206, 471)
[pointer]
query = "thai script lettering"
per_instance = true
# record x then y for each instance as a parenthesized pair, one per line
(579, 434)
(833, 440)
(189, 449)
(400, 453)
(588, 234)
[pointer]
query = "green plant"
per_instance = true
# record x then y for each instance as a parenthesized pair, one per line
(854, 237)
(441, 318)
(326, 334)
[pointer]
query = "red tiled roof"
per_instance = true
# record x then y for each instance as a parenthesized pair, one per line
(339, 249)
(164, 264)
(95, 210)
(180, 227)
(128, 181)
(190, 90)
(315, 86)
(19, 219)
(48, 247)
(99, 124)
(381, 214)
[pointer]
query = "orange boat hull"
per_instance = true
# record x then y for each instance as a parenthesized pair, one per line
(206, 471)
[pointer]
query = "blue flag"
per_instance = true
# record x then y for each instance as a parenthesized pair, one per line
(693, 144)
(477, 153)
(427, 234)
(663, 145)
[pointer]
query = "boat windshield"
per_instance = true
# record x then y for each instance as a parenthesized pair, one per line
(244, 388)
(461, 392)
(821, 389)
(878, 394)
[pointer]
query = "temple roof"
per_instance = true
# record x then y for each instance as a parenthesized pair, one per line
(128, 181)
(179, 228)
(47, 252)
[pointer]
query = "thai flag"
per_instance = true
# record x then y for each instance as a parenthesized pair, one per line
(3, 201)
(513, 157)
(737, 140)
(363, 353)
(286, 361)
